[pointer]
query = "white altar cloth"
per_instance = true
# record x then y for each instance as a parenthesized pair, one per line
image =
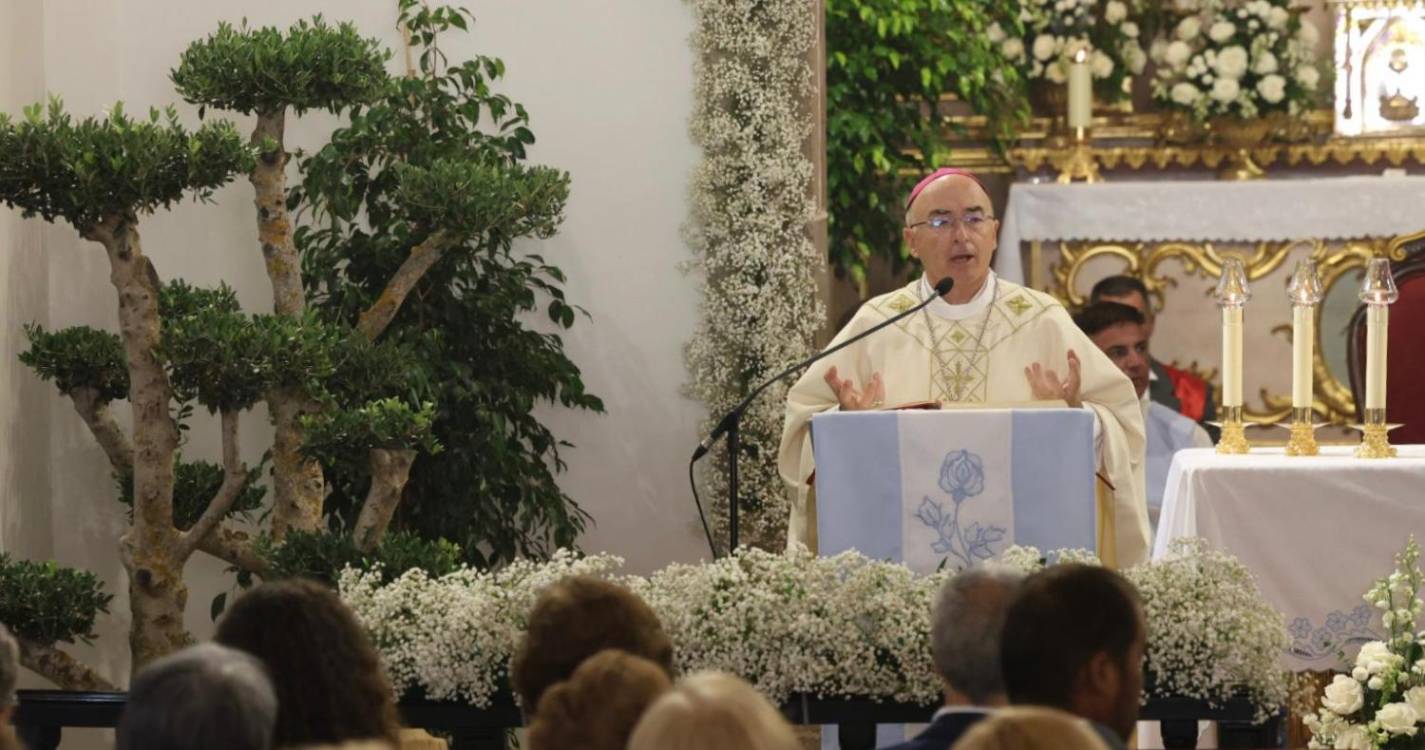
(1278, 210)
(1315, 532)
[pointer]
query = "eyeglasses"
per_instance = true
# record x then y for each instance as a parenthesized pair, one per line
(972, 223)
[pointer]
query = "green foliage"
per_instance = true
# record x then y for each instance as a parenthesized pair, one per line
(195, 483)
(442, 152)
(888, 64)
(78, 357)
(117, 166)
(467, 197)
(388, 423)
(322, 556)
(44, 603)
(217, 357)
(261, 71)
(179, 299)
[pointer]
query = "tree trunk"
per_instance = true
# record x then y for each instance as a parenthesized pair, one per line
(297, 485)
(297, 482)
(59, 667)
(390, 469)
(423, 257)
(95, 413)
(150, 550)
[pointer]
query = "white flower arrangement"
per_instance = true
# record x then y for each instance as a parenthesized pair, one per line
(751, 204)
(1211, 636)
(1054, 30)
(1381, 703)
(1228, 58)
(792, 622)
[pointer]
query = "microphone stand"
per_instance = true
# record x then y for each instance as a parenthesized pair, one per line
(731, 423)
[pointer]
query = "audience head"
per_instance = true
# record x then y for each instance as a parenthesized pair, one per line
(598, 706)
(965, 634)
(576, 618)
(1030, 728)
(206, 697)
(1120, 331)
(329, 681)
(713, 711)
(9, 677)
(1125, 290)
(1074, 640)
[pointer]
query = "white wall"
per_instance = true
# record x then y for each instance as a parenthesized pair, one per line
(608, 87)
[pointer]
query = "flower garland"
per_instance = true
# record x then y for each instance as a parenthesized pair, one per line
(791, 622)
(751, 202)
(1055, 29)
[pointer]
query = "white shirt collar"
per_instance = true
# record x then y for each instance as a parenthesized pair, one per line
(975, 306)
(948, 710)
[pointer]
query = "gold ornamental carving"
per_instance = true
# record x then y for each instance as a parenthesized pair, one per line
(1332, 397)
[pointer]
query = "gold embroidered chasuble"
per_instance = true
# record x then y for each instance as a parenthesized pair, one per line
(979, 356)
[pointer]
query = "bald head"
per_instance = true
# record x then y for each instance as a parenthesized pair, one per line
(964, 242)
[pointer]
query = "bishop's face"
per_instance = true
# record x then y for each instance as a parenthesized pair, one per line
(963, 243)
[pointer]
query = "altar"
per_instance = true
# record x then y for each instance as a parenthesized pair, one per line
(1315, 532)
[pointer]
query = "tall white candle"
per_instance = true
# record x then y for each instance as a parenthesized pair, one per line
(1303, 340)
(1080, 92)
(1231, 355)
(1377, 317)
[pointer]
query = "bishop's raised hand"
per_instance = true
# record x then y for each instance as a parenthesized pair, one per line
(873, 396)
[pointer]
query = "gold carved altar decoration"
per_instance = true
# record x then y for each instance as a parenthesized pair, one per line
(1380, 67)
(1338, 264)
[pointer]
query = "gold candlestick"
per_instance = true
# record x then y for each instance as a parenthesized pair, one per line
(1378, 291)
(1305, 293)
(1077, 161)
(1232, 294)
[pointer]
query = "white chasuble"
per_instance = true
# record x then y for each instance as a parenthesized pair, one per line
(976, 353)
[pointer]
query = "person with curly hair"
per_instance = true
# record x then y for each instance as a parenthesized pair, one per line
(9, 677)
(598, 706)
(330, 685)
(574, 619)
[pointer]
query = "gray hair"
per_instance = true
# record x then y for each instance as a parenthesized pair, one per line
(207, 696)
(966, 626)
(9, 667)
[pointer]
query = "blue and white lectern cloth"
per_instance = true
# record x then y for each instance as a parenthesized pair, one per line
(956, 486)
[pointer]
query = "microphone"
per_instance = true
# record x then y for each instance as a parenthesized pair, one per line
(729, 423)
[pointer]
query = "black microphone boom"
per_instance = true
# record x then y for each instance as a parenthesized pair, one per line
(730, 422)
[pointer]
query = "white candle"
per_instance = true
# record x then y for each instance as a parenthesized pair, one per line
(1080, 92)
(1231, 355)
(1303, 337)
(1376, 318)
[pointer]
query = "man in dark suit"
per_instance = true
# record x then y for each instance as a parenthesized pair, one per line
(1074, 639)
(965, 643)
(1179, 390)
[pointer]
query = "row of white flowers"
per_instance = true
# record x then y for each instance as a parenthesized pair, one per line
(834, 626)
(751, 203)
(1054, 30)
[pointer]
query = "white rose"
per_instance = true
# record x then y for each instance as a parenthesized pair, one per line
(1344, 695)
(1397, 718)
(1416, 698)
(1186, 94)
(1177, 54)
(1043, 47)
(1100, 64)
(1135, 58)
(1272, 88)
(1157, 49)
(1036, 71)
(1371, 654)
(1266, 63)
(994, 33)
(1308, 77)
(1221, 31)
(1277, 18)
(1360, 674)
(1308, 34)
(1188, 28)
(1231, 62)
(1014, 49)
(1375, 683)
(1115, 11)
(1185, 6)
(1129, 29)
(1055, 72)
(1354, 738)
